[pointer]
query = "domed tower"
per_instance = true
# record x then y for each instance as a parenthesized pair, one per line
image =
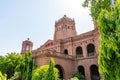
(64, 28)
(26, 46)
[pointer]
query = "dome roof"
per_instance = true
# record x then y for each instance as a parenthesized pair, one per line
(27, 41)
(65, 18)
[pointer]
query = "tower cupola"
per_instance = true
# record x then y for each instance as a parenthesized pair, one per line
(26, 46)
(64, 28)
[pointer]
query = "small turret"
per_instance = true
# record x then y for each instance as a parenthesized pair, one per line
(26, 46)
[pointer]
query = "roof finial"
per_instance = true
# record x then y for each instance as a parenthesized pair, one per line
(64, 15)
(28, 39)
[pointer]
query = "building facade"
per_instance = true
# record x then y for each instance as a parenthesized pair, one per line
(72, 53)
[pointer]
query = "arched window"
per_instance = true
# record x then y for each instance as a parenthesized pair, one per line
(66, 51)
(81, 70)
(90, 49)
(79, 52)
(68, 27)
(61, 71)
(27, 48)
(94, 73)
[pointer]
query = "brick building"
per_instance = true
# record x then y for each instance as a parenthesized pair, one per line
(72, 53)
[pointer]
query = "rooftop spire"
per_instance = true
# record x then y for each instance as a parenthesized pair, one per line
(28, 39)
(65, 16)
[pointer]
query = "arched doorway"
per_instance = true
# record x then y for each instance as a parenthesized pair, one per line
(94, 73)
(79, 52)
(61, 73)
(81, 70)
(66, 51)
(90, 49)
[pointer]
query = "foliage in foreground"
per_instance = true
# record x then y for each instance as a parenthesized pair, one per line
(51, 74)
(96, 6)
(40, 73)
(79, 76)
(74, 78)
(2, 77)
(16, 66)
(26, 67)
(46, 72)
(9, 62)
(17, 76)
(109, 57)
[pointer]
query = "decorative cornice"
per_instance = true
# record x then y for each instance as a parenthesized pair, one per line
(63, 56)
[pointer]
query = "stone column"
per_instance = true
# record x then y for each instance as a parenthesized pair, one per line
(87, 73)
(84, 50)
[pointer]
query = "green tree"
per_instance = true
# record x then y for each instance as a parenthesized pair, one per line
(74, 78)
(2, 77)
(17, 76)
(79, 76)
(96, 6)
(109, 29)
(40, 72)
(3, 67)
(26, 66)
(46, 72)
(51, 75)
(12, 60)
(9, 62)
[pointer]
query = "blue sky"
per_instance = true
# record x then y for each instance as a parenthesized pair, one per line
(20, 19)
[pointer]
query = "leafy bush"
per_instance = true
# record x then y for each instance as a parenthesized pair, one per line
(2, 77)
(9, 62)
(45, 72)
(79, 76)
(109, 29)
(16, 76)
(26, 66)
(74, 78)
(52, 72)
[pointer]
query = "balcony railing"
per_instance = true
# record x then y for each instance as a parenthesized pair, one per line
(61, 55)
(91, 54)
(79, 55)
(56, 54)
